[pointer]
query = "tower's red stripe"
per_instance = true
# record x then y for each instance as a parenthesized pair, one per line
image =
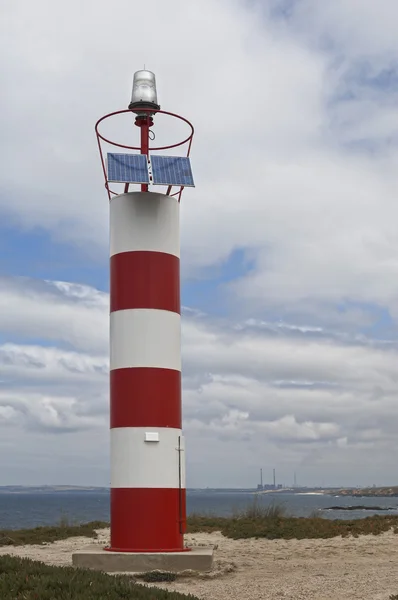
(144, 396)
(147, 520)
(145, 280)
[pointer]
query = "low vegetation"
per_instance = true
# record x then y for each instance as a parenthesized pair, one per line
(257, 510)
(273, 522)
(256, 521)
(292, 527)
(24, 579)
(42, 535)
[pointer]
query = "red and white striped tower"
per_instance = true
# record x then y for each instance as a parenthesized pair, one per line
(147, 483)
(148, 498)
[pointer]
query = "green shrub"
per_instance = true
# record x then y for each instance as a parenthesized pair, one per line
(65, 521)
(256, 521)
(24, 579)
(41, 535)
(316, 514)
(257, 510)
(276, 526)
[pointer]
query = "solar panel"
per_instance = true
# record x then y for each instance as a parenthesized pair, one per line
(128, 168)
(172, 170)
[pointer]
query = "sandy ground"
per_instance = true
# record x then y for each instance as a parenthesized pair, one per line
(364, 568)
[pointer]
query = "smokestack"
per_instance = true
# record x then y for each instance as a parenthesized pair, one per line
(274, 480)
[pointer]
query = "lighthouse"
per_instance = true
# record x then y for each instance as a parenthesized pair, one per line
(144, 184)
(148, 506)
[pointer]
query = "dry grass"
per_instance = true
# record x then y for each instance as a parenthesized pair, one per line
(273, 522)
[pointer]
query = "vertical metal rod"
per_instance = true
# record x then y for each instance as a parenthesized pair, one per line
(144, 124)
(180, 516)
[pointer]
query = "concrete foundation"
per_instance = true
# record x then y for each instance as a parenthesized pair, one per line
(96, 558)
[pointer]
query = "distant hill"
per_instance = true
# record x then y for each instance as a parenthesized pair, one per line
(22, 489)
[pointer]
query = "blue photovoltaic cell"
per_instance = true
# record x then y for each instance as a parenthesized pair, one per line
(172, 170)
(128, 168)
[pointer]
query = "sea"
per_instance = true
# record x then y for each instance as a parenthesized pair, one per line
(26, 509)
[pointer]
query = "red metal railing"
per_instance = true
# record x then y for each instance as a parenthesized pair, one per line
(102, 138)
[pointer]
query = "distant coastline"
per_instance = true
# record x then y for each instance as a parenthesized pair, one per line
(374, 492)
(40, 489)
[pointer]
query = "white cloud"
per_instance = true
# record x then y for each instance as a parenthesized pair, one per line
(359, 28)
(70, 313)
(274, 173)
(49, 414)
(289, 395)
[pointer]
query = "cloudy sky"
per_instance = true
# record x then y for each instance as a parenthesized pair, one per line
(289, 240)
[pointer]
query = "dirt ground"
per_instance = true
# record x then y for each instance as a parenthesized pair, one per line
(364, 568)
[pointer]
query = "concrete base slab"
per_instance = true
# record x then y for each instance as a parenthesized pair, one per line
(96, 558)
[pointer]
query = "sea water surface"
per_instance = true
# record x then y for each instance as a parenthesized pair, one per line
(24, 510)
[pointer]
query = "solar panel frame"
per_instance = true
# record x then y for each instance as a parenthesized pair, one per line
(171, 170)
(127, 168)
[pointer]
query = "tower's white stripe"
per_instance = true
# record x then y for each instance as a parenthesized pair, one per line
(136, 463)
(144, 221)
(145, 337)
